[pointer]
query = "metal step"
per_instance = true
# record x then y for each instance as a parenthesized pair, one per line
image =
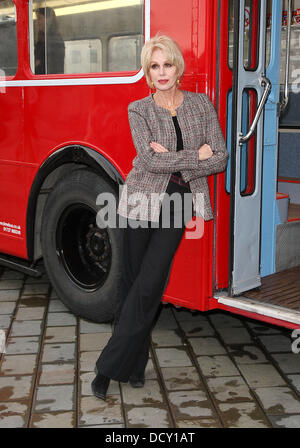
(20, 265)
(264, 309)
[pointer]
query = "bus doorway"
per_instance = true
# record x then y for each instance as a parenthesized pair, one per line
(264, 254)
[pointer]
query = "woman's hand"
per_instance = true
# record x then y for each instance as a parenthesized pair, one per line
(205, 152)
(157, 147)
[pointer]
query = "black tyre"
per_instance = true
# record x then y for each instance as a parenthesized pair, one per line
(82, 260)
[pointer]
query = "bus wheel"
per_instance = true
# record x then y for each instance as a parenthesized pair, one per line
(83, 261)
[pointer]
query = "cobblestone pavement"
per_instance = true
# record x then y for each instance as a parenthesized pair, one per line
(208, 369)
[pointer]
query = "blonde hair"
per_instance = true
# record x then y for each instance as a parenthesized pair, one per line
(170, 49)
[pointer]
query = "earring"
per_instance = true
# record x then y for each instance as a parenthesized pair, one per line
(152, 85)
(178, 82)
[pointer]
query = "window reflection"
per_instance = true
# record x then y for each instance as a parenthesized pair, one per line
(86, 36)
(8, 39)
(49, 51)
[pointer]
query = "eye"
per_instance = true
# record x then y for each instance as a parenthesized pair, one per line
(168, 64)
(154, 66)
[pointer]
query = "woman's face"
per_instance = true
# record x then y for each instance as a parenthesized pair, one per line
(162, 73)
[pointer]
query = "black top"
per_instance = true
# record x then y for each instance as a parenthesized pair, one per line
(179, 141)
(172, 185)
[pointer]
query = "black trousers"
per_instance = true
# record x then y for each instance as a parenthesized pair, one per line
(148, 254)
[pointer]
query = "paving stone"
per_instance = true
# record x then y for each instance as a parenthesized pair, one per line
(150, 394)
(243, 415)
(247, 354)
(53, 294)
(92, 327)
(207, 346)
(13, 414)
(217, 366)
(190, 403)
(148, 417)
(166, 310)
(94, 411)
(60, 334)
(88, 361)
(5, 321)
(33, 301)
(18, 365)
(21, 345)
(278, 400)
(55, 398)
(229, 389)
(60, 319)
(30, 313)
(202, 328)
(172, 357)
(237, 335)
(57, 374)
(288, 362)
(166, 323)
(10, 284)
(178, 378)
(260, 328)
(150, 371)
(225, 320)
(86, 379)
(276, 343)
(7, 307)
(295, 380)
(58, 352)
(260, 375)
(185, 315)
(15, 387)
(54, 420)
(9, 274)
(198, 423)
(94, 341)
(9, 295)
(57, 305)
(35, 288)
(289, 421)
(36, 280)
(120, 425)
(162, 338)
(26, 328)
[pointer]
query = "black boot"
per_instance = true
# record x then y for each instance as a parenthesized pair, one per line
(100, 385)
(137, 381)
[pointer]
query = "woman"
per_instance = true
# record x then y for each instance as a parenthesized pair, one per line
(179, 142)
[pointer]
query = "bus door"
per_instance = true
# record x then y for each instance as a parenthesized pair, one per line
(250, 91)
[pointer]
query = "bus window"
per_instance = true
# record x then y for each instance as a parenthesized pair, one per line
(294, 46)
(268, 31)
(251, 24)
(8, 39)
(85, 36)
(124, 52)
(83, 56)
(251, 38)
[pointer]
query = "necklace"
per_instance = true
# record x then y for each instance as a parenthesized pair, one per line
(171, 108)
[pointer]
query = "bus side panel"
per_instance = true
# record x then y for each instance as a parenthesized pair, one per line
(12, 173)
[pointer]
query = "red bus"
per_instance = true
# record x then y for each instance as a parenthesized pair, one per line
(68, 72)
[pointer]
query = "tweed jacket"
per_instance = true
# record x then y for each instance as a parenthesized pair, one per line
(151, 171)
